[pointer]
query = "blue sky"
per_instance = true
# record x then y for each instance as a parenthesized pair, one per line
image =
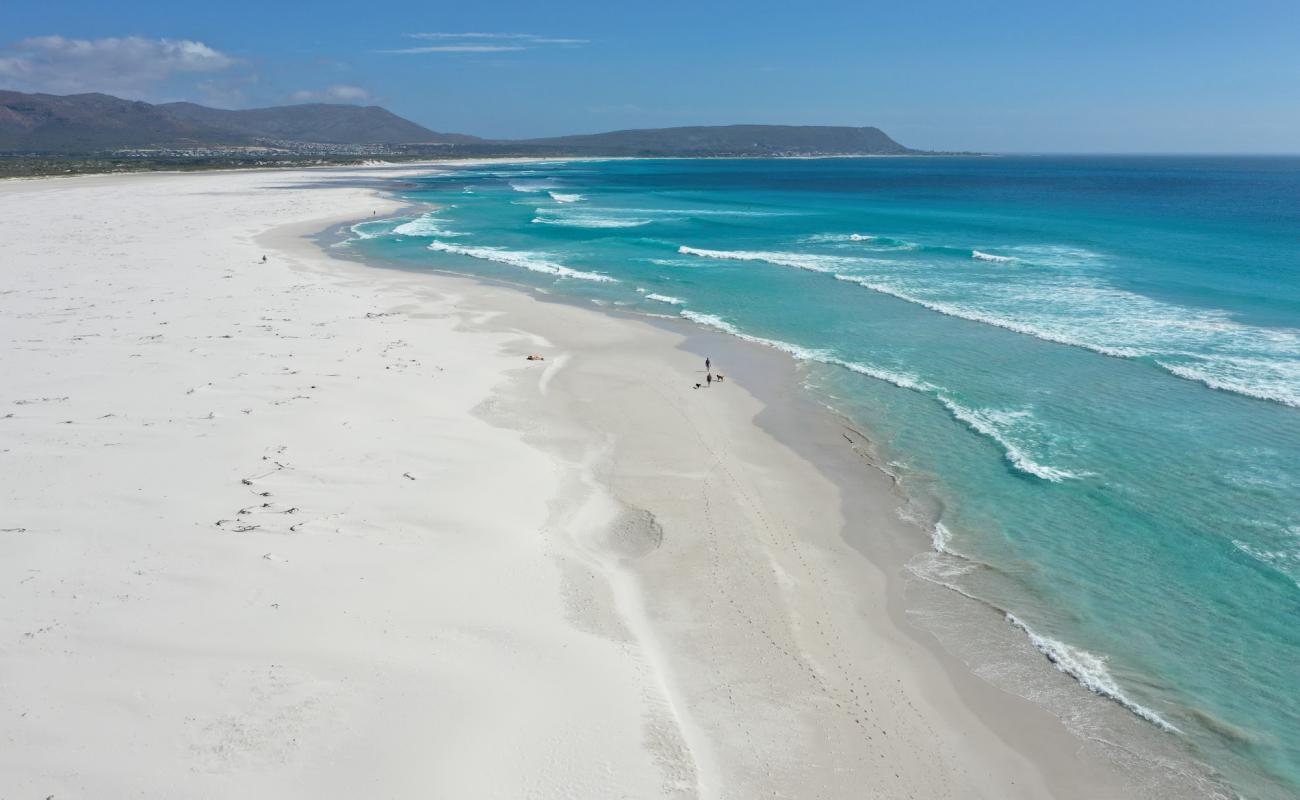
(1101, 76)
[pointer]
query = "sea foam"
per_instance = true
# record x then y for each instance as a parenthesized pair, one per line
(524, 260)
(663, 298)
(900, 379)
(1089, 670)
(718, 323)
(873, 241)
(588, 221)
(370, 229)
(532, 187)
(940, 538)
(995, 425)
(426, 226)
(812, 263)
(1192, 344)
(979, 255)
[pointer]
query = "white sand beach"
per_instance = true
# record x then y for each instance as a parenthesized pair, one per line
(308, 528)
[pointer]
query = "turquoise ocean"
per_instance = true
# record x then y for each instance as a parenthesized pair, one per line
(1086, 369)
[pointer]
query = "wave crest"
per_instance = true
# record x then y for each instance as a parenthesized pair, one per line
(532, 187)
(1089, 670)
(523, 260)
(1204, 346)
(663, 298)
(994, 424)
(589, 221)
(426, 226)
(812, 263)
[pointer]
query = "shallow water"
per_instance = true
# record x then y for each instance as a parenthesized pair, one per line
(1090, 367)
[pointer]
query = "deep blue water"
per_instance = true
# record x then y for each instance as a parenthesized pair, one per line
(1091, 366)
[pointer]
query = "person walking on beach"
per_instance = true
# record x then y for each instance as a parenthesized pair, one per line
(710, 380)
(707, 366)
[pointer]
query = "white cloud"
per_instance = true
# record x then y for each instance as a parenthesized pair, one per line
(458, 48)
(520, 37)
(470, 42)
(338, 93)
(131, 66)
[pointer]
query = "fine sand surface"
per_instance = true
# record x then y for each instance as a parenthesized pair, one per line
(313, 529)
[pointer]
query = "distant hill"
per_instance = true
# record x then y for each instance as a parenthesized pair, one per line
(85, 124)
(88, 123)
(731, 140)
(315, 122)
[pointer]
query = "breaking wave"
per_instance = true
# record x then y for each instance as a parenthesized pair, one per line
(426, 226)
(809, 262)
(1199, 345)
(589, 221)
(532, 187)
(663, 298)
(718, 323)
(995, 425)
(1263, 379)
(1089, 670)
(875, 242)
(370, 229)
(523, 260)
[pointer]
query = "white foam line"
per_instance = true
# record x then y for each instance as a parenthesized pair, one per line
(981, 256)
(976, 421)
(1282, 393)
(1018, 458)
(581, 221)
(802, 353)
(880, 242)
(701, 212)
(1279, 390)
(360, 234)
(961, 313)
(940, 537)
(899, 379)
(798, 260)
(663, 298)
(531, 187)
(426, 226)
(1089, 670)
(1277, 395)
(513, 258)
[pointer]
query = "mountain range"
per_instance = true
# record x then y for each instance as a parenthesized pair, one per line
(98, 123)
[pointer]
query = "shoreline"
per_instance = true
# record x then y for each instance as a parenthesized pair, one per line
(730, 644)
(985, 679)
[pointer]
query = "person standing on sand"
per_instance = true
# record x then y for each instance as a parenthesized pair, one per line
(707, 366)
(710, 379)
